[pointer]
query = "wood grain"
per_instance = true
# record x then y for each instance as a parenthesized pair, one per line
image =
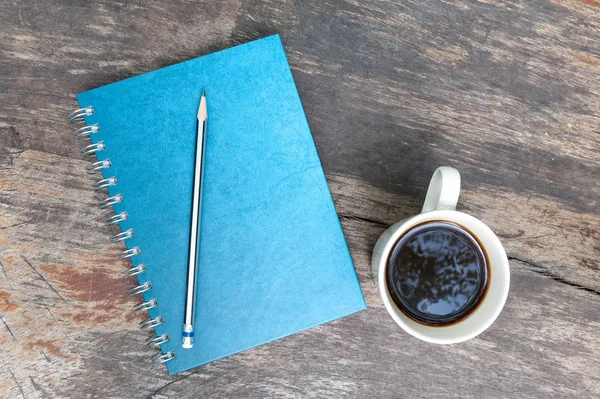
(69, 323)
(507, 92)
(536, 231)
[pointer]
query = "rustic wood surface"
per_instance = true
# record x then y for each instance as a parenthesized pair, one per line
(507, 92)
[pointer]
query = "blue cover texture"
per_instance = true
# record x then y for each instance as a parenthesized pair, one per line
(273, 260)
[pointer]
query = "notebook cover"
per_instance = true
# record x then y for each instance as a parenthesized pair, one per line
(273, 260)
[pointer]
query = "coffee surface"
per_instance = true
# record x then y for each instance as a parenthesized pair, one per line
(437, 273)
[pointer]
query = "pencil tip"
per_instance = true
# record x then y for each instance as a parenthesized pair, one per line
(203, 95)
(202, 114)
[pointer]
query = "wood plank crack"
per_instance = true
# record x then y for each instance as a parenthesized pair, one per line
(38, 386)
(3, 270)
(545, 272)
(530, 266)
(8, 328)
(43, 278)
(156, 391)
(354, 217)
(12, 225)
(46, 356)
(17, 382)
(58, 325)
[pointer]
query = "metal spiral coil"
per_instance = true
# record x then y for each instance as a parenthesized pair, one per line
(128, 253)
(96, 167)
(104, 183)
(147, 286)
(134, 271)
(152, 303)
(115, 199)
(151, 323)
(159, 340)
(123, 235)
(92, 149)
(163, 358)
(84, 134)
(79, 114)
(118, 218)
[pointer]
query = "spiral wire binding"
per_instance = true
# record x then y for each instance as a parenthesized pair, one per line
(118, 218)
(122, 236)
(160, 358)
(110, 201)
(152, 303)
(151, 323)
(96, 167)
(159, 340)
(134, 271)
(78, 114)
(138, 289)
(84, 133)
(92, 149)
(129, 253)
(104, 183)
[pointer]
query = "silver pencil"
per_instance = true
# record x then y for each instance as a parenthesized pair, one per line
(190, 300)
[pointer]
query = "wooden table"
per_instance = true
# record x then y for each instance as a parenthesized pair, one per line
(507, 93)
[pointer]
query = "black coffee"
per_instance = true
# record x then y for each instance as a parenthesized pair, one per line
(437, 273)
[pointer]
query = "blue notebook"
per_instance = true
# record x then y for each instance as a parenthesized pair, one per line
(273, 260)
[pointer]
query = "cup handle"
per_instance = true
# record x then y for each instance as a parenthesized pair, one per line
(443, 190)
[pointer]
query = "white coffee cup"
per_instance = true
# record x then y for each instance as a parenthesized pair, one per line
(440, 205)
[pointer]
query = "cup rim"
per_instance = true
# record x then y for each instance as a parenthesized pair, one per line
(491, 304)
